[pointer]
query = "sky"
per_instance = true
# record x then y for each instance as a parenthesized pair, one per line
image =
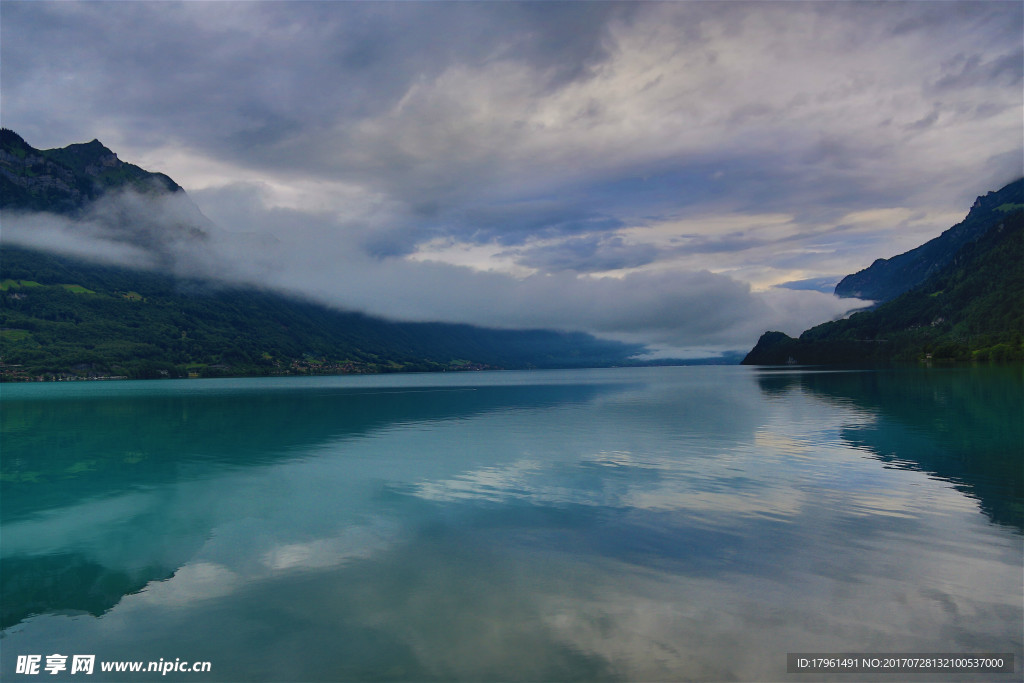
(685, 175)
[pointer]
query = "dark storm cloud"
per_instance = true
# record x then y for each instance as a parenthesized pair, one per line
(211, 73)
(313, 87)
(241, 78)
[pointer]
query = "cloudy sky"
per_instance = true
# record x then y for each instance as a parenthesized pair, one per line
(654, 172)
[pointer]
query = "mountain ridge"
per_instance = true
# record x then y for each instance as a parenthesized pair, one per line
(970, 308)
(65, 180)
(885, 279)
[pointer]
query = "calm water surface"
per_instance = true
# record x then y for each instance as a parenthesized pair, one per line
(623, 524)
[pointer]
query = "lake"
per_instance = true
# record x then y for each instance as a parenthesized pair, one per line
(651, 524)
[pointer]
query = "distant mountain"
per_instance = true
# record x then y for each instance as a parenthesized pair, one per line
(63, 317)
(886, 279)
(970, 308)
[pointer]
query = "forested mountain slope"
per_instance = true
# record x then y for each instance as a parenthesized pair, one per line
(885, 279)
(63, 317)
(970, 309)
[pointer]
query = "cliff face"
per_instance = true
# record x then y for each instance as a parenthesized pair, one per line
(66, 180)
(29, 180)
(885, 279)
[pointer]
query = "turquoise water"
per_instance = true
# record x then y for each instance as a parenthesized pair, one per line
(620, 524)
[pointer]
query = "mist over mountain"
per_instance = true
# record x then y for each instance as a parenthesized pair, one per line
(66, 180)
(80, 225)
(82, 200)
(329, 255)
(96, 282)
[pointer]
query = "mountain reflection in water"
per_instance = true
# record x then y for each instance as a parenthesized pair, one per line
(602, 525)
(961, 425)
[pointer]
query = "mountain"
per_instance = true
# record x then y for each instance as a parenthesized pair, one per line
(65, 317)
(886, 279)
(970, 308)
(66, 180)
(109, 199)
